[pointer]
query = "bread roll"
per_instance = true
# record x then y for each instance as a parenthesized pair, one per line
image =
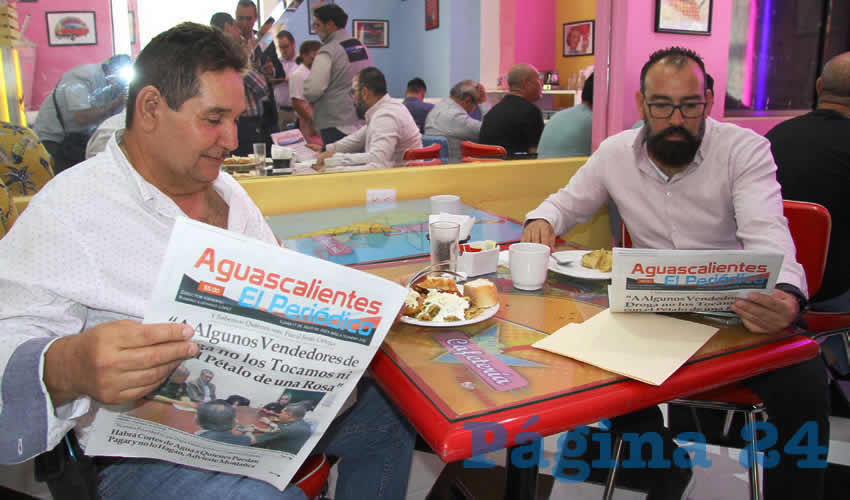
(481, 293)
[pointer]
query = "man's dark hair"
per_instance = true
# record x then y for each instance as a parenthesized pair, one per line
(174, 60)
(331, 12)
(238, 400)
(221, 19)
(296, 411)
(216, 415)
(587, 90)
(416, 85)
(288, 35)
(247, 3)
(275, 407)
(371, 78)
(674, 55)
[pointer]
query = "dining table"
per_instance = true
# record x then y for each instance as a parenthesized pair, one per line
(461, 412)
(509, 392)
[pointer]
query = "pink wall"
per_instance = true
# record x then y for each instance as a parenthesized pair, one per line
(633, 40)
(522, 39)
(53, 62)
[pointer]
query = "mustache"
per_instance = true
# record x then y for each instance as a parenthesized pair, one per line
(675, 129)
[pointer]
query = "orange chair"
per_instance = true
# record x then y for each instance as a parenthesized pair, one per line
(421, 157)
(809, 225)
(312, 477)
(471, 151)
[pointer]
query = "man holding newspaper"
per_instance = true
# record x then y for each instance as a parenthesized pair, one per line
(686, 181)
(82, 261)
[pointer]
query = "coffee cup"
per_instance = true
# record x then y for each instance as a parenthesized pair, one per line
(445, 203)
(281, 156)
(529, 263)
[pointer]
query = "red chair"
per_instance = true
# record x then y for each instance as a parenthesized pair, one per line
(471, 151)
(810, 225)
(421, 157)
(312, 476)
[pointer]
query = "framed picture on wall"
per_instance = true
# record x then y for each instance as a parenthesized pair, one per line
(312, 4)
(71, 28)
(578, 38)
(372, 32)
(690, 17)
(432, 14)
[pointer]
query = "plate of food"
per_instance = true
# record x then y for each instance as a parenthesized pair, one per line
(440, 302)
(585, 264)
(239, 163)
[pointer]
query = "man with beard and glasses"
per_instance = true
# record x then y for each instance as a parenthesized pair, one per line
(389, 131)
(686, 181)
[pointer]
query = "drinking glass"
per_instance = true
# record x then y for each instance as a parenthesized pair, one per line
(444, 239)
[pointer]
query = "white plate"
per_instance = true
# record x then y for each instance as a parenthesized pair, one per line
(487, 313)
(575, 269)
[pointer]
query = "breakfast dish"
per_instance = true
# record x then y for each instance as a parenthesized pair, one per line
(598, 259)
(438, 301)
(572, 265)
(239, 163)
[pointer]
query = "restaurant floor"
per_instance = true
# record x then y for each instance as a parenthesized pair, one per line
(726, 479)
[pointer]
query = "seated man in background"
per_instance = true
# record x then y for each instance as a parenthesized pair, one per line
(414, 100)
(685, 181)
(202, 389)
(569, 131)
(75, 287)
(812, 154)
(307, 53)
(84, 97)
(515, 123)
(451, 118)
(389, 130)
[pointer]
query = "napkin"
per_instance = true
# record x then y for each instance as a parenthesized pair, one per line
(466, 222)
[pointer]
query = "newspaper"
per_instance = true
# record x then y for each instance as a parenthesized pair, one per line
(277, 330)
(645, 280)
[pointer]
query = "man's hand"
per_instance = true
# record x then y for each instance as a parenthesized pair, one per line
(315, 147)
(320, 160)
(268, 70)
(539, 231)
(767, 313)
(115, 362)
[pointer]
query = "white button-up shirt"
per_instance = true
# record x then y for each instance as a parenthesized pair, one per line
(87, 250)
(727, 198)
(389, 132)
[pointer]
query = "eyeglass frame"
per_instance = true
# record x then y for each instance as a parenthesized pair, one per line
(674, 107)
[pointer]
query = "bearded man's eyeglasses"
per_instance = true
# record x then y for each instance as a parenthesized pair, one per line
(666, 109)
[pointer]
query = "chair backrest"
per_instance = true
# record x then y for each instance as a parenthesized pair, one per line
(427, 140)
(431, 152)
(8, 212)
(25, 165)
(474, 150)
(809, 224)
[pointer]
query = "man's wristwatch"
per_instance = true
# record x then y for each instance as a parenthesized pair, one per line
(802, 301)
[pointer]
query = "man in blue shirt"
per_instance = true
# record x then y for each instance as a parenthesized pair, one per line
(414, 98)
(568, 133)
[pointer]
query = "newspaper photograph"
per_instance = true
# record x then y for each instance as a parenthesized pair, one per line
(644, 280)
(284, 338)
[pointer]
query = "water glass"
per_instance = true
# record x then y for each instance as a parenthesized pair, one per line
(444, 248)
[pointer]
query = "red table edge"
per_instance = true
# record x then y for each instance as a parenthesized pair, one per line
(451, 442)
